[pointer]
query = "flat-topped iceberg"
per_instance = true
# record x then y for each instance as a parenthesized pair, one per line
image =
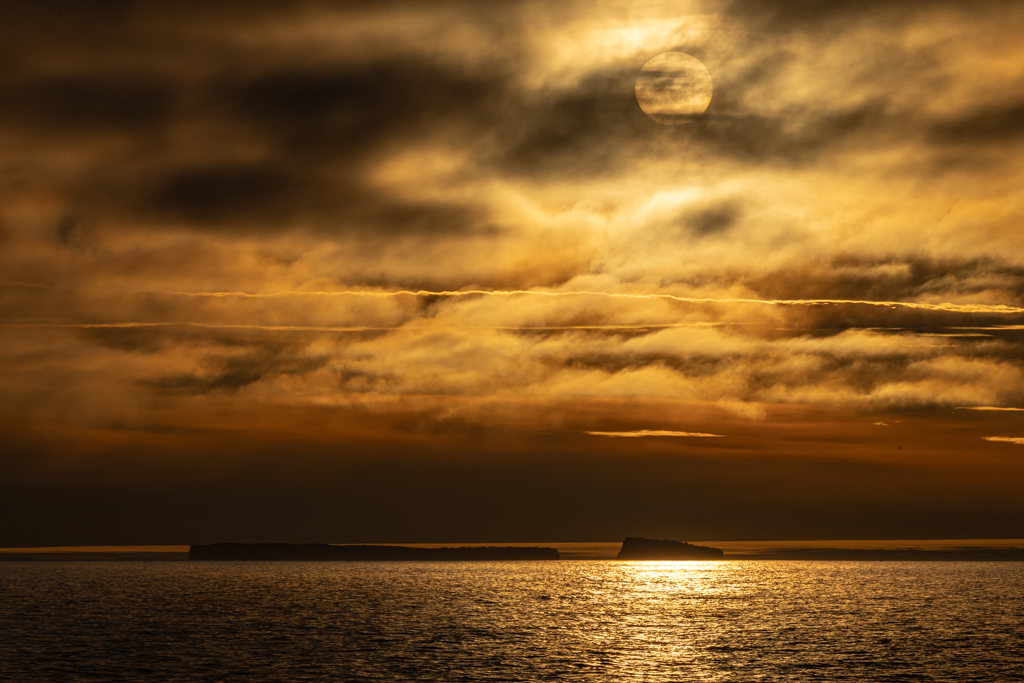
(646, 549)
(356, 553)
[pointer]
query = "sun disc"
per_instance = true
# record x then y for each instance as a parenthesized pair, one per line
(673, 88)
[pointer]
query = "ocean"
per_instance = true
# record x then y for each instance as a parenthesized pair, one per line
(571, 620)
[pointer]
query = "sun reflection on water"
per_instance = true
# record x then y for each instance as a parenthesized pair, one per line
(569, 620)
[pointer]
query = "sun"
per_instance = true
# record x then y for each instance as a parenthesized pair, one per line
(673, 88)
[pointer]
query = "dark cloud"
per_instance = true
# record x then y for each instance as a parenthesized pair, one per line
(133, 339)
(1001, 123)
(711, 220)
(591, 130)
(856, 277)
(345, 112)
(321, 132)
(81, 106)
(231, 373)
(781, 15)
(217, 193)
(317, 129)
(269, 197)
(798, 137)
(65, 228)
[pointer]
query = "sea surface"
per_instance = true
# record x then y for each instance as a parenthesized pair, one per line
(514, 621)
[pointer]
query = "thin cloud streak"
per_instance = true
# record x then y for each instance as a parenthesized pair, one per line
(363, 328)
(1019, 440)
(997, 408)
(655, 432)
(949, 307)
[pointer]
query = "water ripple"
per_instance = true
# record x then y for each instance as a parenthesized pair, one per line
(569, 621)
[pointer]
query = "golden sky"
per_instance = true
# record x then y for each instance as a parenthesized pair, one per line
(405, 271)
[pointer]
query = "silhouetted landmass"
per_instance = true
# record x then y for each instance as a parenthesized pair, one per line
(646, 549)
(354, 553)
(776, 551)
(964, 554)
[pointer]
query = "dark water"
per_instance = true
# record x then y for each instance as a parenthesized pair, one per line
(575, 621)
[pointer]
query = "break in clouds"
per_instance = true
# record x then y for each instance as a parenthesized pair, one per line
(225, 203)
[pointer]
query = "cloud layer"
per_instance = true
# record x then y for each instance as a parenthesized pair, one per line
(457, 216)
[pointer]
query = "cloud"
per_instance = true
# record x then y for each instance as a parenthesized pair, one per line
(88, 105)
(426, 251)
(993, 125)
(1005, 439)
(309, 347)
(344, 206)
(997, 408)
(654, 432)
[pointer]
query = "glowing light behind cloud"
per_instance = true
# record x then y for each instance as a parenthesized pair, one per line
(995, 408)
(655, 432)
(1006, 439)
